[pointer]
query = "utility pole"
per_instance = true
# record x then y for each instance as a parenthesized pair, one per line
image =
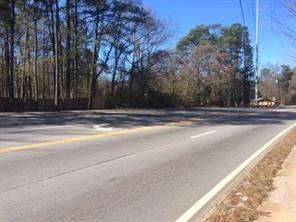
(279, 89)
(257, 52)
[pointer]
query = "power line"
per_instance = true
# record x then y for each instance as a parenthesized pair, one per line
(250, 19)
(242, 11)
(253, 17)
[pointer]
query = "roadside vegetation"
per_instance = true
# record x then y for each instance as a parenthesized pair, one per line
(278, 83)
(243, 202)
(112, 50)
(110, 53)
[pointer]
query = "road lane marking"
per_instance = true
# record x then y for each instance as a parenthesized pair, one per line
(93, 136)
(216, 189)
(76, 139)
(102, 127)
(203, 134)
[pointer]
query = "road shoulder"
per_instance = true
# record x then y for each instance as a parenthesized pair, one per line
(281, 202)
(244, 201)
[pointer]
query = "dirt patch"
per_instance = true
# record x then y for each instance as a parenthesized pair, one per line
(241, 205)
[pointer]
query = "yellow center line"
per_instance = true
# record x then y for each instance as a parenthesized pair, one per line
(85, 138)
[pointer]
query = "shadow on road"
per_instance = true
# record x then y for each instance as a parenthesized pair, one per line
(134, 118)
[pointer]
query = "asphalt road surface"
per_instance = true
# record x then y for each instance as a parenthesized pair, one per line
(121, 165)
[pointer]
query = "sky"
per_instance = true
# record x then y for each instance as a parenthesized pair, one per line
(183, 15)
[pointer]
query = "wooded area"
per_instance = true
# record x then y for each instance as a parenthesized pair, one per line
(112, 50)
(278, 83)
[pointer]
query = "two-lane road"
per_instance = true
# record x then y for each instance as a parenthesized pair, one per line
(123, 165)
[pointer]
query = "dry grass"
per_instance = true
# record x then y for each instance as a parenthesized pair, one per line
(242, 203)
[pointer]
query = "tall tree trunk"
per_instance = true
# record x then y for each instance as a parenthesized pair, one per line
(12, 23)
(2, 73)
(61, 92)
(92, 79)
(25, 54)
(132, 76)
(35, 52)
(68, 45)
(49, 7)
(7, 60)
(75, 85)
(56, 45)
(117, 57)
(45, 72)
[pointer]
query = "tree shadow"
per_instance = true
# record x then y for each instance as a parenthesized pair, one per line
(136, 118)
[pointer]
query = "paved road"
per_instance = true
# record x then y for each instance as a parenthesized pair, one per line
(141, 165)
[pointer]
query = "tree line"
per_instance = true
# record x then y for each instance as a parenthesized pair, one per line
(113, 49)
(278, 82)
(213, 66)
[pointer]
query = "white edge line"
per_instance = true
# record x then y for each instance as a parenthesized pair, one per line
(216, 189)
(203, 134)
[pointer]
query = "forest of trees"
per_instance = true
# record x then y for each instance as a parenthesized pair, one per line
(278, 83)
(112, 50)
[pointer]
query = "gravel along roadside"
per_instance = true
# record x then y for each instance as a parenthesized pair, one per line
(243, 204)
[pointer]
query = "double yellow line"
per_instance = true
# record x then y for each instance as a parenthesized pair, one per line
(85, 137)
(65, 141)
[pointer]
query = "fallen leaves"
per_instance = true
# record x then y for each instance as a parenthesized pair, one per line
(242, 203)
